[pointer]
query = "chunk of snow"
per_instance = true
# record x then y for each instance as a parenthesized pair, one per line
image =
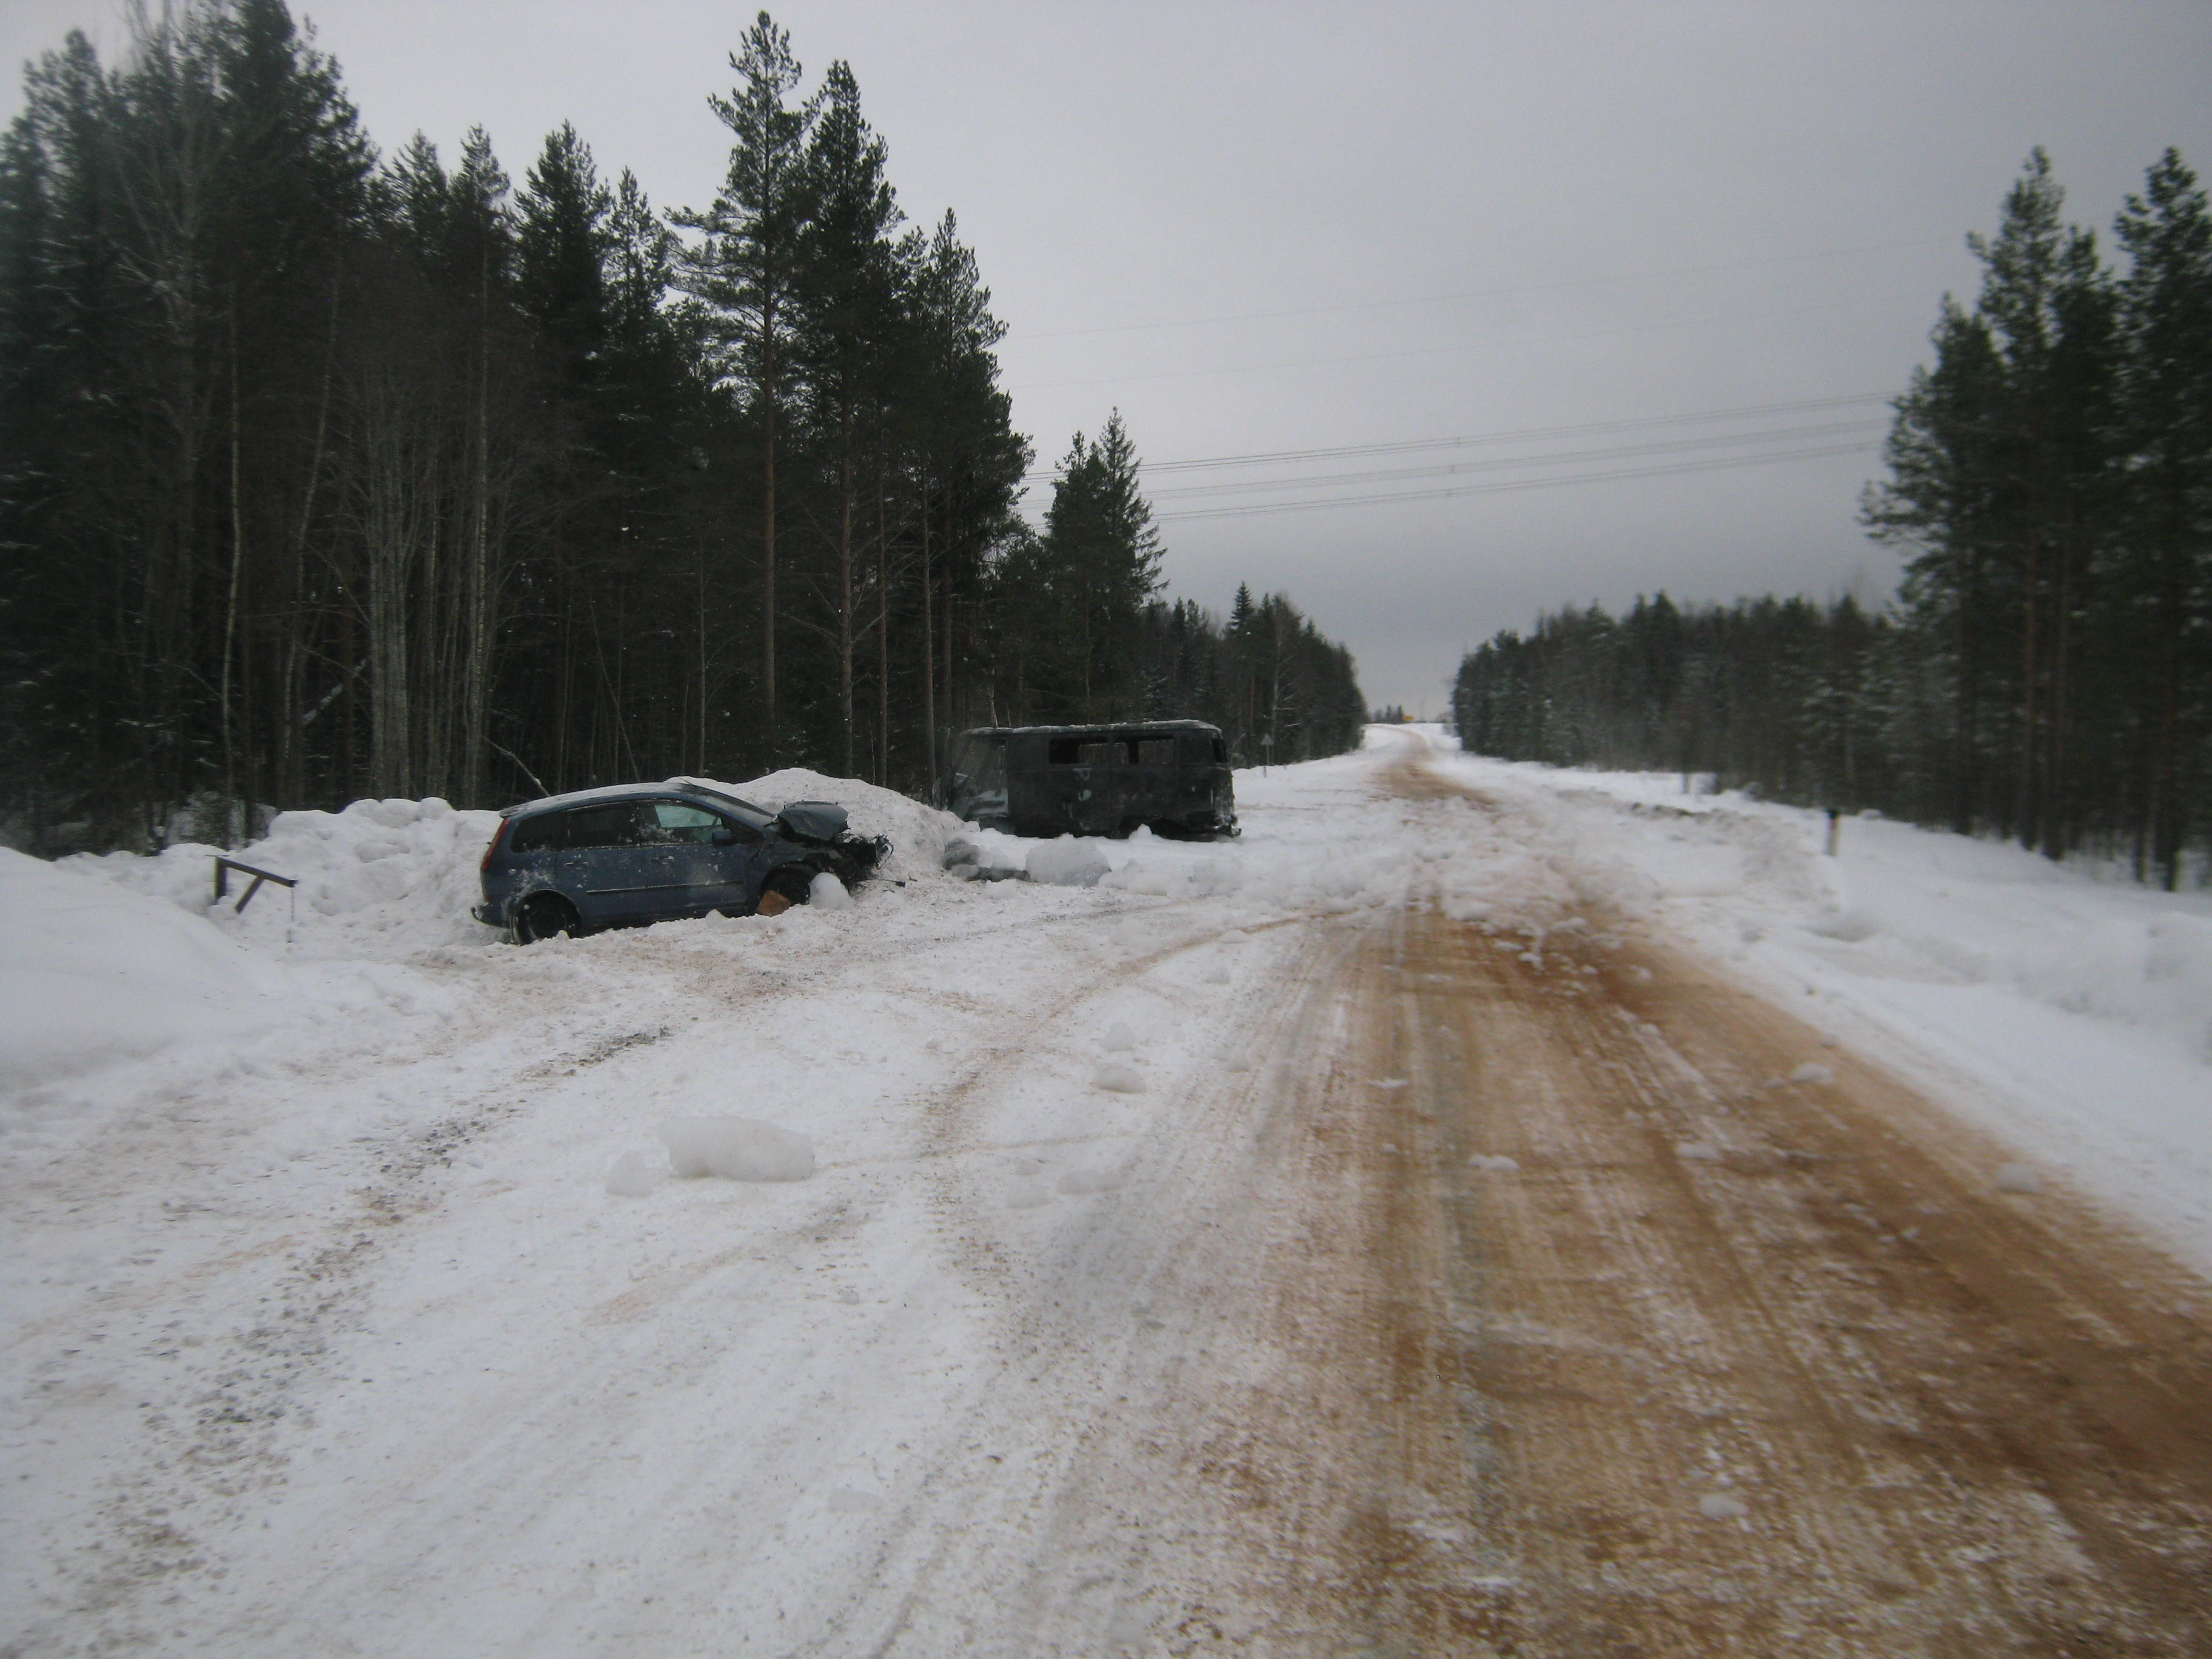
(1216, 973)
(1120, 1037)
(2019, 1178)
(1698, 1151)
(1069, 862)
(1496, 1165)
(635, 1174)
(826, 892)
(1813, 1071)
(1235, 936)
(1119, 1079)
(1719, 1506)
(1027, 1195)
(736, 1149)
(1389, 1083)
(1236, 1064)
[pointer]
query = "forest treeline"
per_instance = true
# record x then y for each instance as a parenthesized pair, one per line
(325, 472)
(2045, 671)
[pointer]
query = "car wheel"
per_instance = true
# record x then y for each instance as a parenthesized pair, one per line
(785, 888)
(542, 916)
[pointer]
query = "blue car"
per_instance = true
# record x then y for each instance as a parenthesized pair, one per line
(639, 853)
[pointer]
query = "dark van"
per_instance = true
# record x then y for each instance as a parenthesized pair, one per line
(1170, 776)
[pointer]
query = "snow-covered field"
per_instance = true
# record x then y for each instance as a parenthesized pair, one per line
(365, 1294)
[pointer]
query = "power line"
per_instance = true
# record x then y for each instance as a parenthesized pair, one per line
(1525, 434)
(1520, 484)
(1497, 343)
(1611, 452)
(1482, 292)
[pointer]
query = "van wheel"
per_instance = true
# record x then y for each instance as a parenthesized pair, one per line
(543, 915)
(786, 888)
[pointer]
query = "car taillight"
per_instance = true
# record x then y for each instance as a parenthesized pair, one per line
(498, 836)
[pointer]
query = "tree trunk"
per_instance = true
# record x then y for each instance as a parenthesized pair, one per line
(845, 593)
(232, 803)
(768, 530)
(882, 628)
(928, 651)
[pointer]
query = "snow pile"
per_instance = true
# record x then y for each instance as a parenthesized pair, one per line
(382, 878)
(736, 1149)
(91, 973)
(917, 833)
(390, 878)
(1069, 862)
(2155, 971)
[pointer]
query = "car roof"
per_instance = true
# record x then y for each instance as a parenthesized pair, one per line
(610, 792)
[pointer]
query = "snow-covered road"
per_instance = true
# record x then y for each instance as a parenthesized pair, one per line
(1376, 1234)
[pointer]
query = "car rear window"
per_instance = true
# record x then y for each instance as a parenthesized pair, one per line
(539, 835)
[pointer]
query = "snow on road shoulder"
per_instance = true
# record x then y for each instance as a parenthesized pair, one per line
(383, 879)
(92, 973)
(2067, 1013)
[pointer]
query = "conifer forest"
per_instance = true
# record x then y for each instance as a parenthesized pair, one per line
(327, 471)
(2044, 670)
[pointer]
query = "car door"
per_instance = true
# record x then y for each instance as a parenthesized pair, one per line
(608, 869)
(705, 857)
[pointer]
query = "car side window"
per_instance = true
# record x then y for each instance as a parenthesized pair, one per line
(674, 822)
(601, 826)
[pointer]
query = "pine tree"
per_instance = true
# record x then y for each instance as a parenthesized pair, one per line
(1105, 556)
(844, 317)
(745, 265)
(2166, 305)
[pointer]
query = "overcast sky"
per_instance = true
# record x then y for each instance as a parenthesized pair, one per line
(1275, 228)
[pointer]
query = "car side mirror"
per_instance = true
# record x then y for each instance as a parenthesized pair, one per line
(724, 837)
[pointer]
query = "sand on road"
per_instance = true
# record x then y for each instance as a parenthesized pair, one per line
(1590, 1305)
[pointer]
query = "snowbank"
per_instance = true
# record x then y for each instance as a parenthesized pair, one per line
(383, 879)
(92, 973)
(917, 833)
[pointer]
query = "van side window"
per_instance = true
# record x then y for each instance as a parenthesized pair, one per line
(1156, 751)
(601, 826)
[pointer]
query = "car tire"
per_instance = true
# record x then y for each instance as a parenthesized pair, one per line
(543, 915)
(792, 884)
